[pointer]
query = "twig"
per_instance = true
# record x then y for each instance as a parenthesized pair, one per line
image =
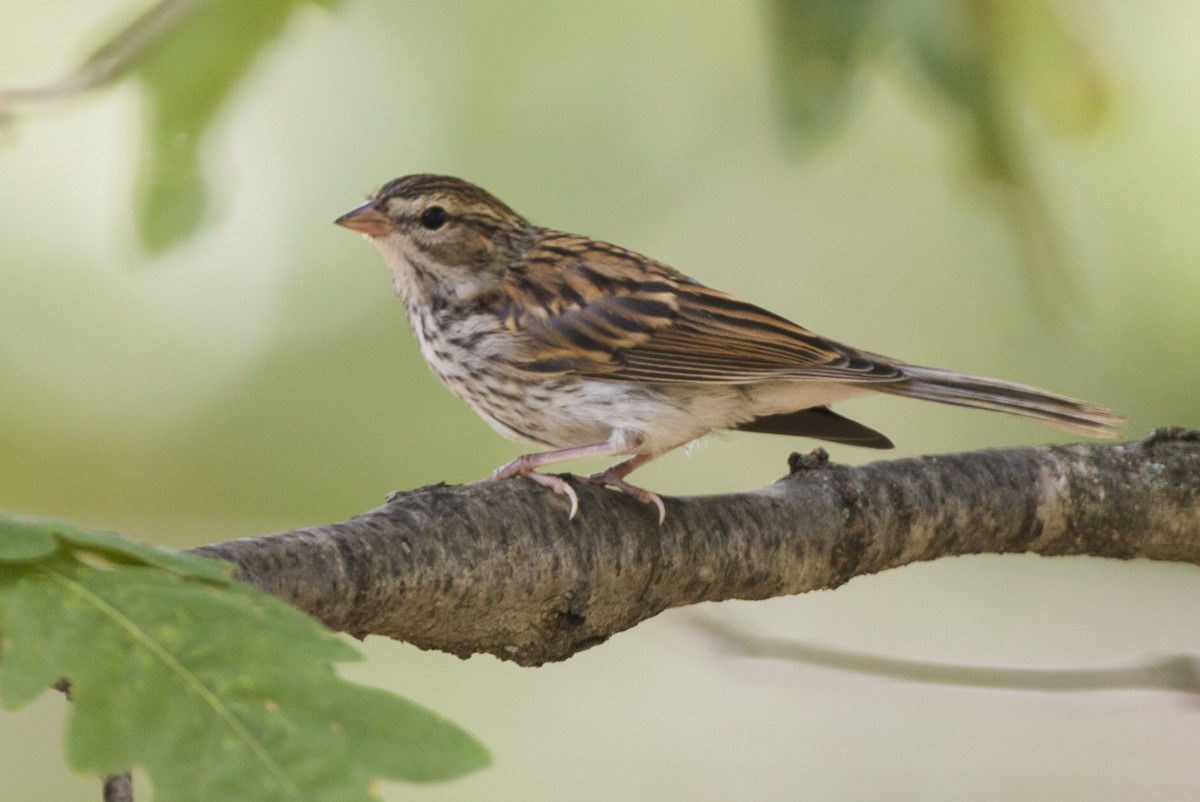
(109, 61)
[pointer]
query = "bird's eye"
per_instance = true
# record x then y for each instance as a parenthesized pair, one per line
(433, 217)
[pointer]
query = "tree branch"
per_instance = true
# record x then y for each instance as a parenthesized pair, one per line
(1180, 672)
(498, 568)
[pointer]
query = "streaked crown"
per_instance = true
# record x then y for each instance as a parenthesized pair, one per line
(445, 220)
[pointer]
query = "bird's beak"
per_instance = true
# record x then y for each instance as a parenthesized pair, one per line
(366, 219)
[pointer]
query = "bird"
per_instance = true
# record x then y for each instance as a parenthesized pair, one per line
(589, 349)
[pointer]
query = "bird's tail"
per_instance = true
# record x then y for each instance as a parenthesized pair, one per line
(976, 392)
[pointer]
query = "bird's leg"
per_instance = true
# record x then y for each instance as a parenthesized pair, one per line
(615, 477)
(528, 464)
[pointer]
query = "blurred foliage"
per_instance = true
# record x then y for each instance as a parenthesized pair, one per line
(188, 55)
(978, 57)
(217, 689)
(984, 61)
(981, 59)
(188, 75)
(816, 51)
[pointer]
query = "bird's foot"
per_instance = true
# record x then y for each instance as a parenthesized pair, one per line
(560, 486)
(524, 466)
(615, 479)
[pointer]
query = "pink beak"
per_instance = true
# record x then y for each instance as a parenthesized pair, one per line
(366, 219)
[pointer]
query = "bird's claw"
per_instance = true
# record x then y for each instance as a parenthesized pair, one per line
(610, 478)
(559, 486)
(522, 467)
(613, 477)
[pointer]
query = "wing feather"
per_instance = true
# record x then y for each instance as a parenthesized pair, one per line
(592, 308)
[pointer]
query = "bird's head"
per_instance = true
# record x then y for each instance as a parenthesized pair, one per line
(440, 224)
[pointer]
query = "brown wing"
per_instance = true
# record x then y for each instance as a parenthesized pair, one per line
(593, 308)
(581, 304)
(717, 338)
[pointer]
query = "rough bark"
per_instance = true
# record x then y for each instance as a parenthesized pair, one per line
(118, 788)
(498, 568)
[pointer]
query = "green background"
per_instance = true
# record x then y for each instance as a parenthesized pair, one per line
(258, 375)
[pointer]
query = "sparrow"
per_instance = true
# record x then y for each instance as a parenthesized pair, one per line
(591, 350)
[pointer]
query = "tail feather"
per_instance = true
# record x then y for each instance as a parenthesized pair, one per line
(977, 392)
(819, 423)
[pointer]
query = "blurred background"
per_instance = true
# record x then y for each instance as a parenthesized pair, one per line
(190, 351)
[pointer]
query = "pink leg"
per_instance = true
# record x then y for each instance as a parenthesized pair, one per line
(615, 477)
(527, 465)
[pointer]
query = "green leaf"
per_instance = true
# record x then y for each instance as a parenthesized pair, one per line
(983, 61)
(1059, 77)
(815, 49)
(218, 690)
(24, 539)
(956, 51)
(188, 76)
(44, 535)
